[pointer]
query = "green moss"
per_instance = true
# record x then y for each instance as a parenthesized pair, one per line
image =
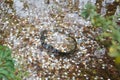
(6, 64)
(109, 29)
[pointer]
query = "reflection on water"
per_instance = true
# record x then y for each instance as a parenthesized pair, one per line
(25, 8)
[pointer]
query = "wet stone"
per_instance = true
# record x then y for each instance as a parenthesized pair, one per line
(57, 42)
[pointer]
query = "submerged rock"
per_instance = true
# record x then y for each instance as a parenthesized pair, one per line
(58, 42)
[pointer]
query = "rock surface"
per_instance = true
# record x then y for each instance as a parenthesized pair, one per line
(58, 42)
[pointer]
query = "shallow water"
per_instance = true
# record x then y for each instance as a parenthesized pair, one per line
(21, 32)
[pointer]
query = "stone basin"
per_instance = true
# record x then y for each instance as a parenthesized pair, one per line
(58, 42)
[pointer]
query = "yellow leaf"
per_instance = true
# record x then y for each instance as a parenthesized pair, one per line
(117, 60)
(112, 52)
